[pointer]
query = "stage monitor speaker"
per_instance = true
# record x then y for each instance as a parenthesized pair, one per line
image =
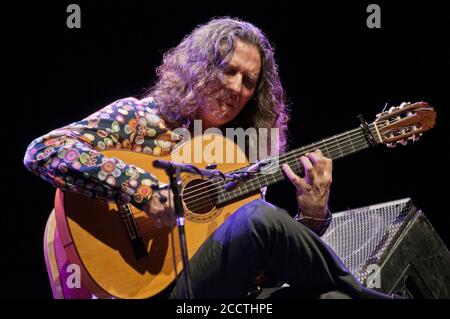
(392, 247)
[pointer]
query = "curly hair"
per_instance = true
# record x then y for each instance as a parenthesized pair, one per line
(193, 72)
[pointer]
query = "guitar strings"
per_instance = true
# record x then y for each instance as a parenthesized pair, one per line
(321, 144)
(191, 202)
(276, 176)
(296, 152)
(330, 148)
(208, 201)
(192, 191)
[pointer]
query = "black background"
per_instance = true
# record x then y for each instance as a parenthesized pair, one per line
(332, 66)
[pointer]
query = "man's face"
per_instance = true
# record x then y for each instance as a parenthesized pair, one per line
(240, 80)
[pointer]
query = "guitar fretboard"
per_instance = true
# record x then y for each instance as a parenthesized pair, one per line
(334, 147)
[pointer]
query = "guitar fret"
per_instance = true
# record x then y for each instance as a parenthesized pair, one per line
(246, 186)
(339, 146)
(351, 143)
(325, 149)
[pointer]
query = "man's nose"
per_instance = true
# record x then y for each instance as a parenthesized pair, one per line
(235, 84)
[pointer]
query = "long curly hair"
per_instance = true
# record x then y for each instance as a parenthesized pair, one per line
(193, 72)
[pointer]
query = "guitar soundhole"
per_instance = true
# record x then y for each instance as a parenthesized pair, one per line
(199, 196)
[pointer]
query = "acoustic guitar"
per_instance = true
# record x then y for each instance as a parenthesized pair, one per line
(128, 254)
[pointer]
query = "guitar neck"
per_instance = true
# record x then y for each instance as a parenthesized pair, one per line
(334, 147)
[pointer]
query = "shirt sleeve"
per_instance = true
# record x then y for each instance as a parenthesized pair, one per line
(70, 158)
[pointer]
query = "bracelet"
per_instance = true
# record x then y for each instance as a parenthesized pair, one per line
(300, 216)
(317, 225)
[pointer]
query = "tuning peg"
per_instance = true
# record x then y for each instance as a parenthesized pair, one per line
(392, 109)
(404, 104)
(381, 114)
(403, 142)
(391, 145)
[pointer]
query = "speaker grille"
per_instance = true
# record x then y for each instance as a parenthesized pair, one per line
(361, 236)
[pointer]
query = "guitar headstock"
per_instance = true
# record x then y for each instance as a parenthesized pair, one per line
(405, 122)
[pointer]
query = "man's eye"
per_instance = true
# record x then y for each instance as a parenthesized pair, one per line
(230, 71)
(250, 84)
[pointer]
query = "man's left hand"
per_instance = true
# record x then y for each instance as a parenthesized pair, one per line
(314, 189)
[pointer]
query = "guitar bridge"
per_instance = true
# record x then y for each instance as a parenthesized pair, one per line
(126, 215)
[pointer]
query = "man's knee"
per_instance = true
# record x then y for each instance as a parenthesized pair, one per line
(267, 218)
(258, 208)
(262, 212)
(261, 204)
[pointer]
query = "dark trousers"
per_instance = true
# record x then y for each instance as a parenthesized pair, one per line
(262, 237)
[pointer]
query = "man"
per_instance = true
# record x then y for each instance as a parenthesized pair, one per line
(225, 75)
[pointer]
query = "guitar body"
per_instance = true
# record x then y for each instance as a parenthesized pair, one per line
(95, 237)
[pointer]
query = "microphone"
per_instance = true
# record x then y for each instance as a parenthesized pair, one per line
(167, 165)
(188, 168)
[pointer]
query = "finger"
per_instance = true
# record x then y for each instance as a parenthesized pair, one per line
(314, 156)
(317, 163)
(308, 168)
(318, 160)
(298, 182)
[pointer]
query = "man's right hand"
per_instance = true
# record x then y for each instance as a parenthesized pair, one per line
(160, 212)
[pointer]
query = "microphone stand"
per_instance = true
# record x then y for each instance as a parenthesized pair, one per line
(175, 185)
(173, 170)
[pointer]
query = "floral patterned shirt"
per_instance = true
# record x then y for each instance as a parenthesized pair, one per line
(70, 158)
